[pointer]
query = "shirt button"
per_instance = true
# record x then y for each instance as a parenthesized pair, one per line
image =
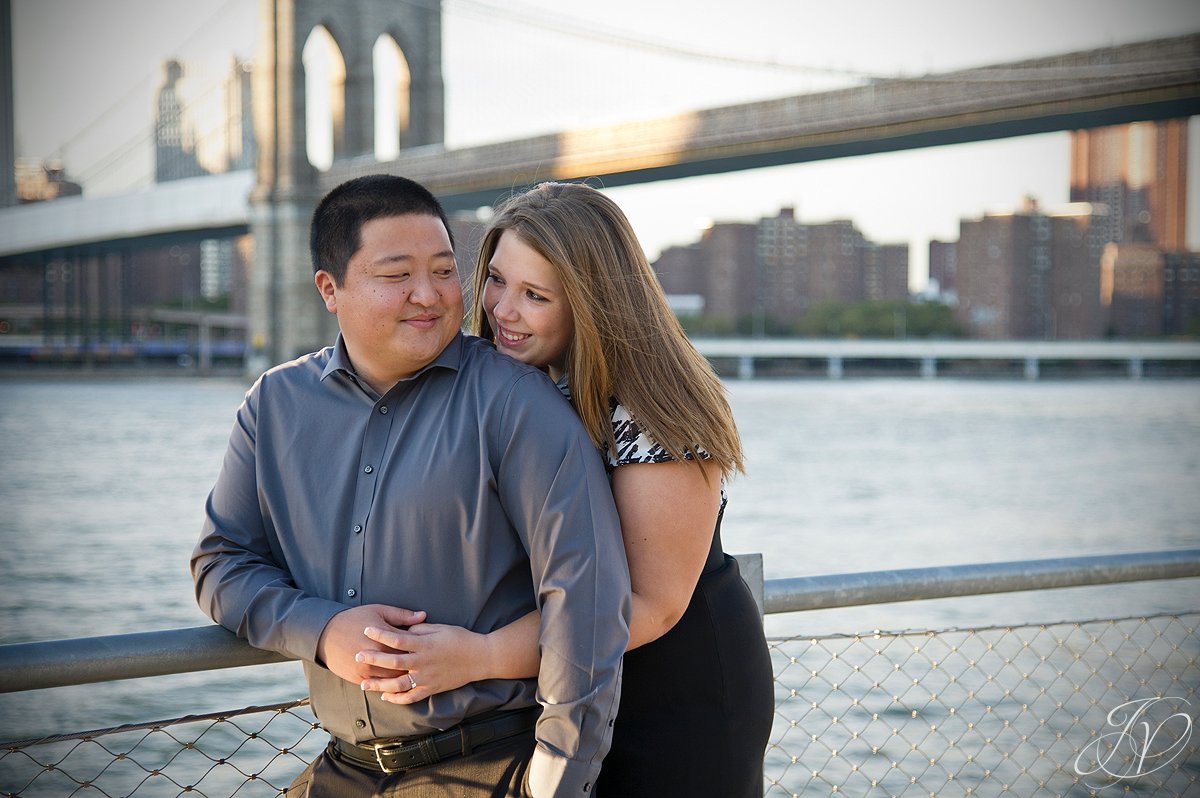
(358, 527)
(587, 786)
(383, 410)
(362, 724)
(351, 592)
(368, 469)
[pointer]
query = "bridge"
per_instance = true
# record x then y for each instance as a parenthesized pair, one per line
(1134, 82)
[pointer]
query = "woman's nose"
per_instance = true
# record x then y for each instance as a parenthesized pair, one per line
(504, 309)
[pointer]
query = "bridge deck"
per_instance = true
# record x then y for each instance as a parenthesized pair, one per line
(1148, 80)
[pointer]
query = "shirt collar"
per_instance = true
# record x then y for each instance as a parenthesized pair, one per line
(339, 360)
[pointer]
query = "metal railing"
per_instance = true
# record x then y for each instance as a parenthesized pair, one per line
(1069, 708)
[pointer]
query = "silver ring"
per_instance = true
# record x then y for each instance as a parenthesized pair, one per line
(412, 681)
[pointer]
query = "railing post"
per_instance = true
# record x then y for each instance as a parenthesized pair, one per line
(751, 567)
(835, 367)
(1031, 368)
(928, 367)
(746, 367)
(1136, 365)
(205, 346)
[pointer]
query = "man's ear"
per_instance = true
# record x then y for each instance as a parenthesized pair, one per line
(328, 289)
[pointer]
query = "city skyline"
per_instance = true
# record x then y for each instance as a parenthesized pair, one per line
(498, 75)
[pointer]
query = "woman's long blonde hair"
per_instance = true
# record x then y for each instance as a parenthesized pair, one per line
(627, 343)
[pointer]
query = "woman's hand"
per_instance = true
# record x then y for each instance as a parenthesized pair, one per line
(435, 657)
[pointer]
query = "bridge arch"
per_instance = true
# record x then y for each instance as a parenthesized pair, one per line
(324, 97)
(286, 316)
(393, 106)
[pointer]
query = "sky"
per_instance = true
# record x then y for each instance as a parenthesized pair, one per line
(86, 74)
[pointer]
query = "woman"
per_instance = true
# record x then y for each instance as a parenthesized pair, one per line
(564, 285)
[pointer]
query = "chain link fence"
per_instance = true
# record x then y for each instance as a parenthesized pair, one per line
(1063, 709)
(250, 752)
(1068, 709)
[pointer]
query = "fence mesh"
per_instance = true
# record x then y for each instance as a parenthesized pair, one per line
(255, 751)
(1066, 709)
(1070, 709)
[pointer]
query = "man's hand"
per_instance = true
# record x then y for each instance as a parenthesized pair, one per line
(342, 638)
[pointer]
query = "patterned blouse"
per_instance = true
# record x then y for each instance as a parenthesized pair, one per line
(634, 445)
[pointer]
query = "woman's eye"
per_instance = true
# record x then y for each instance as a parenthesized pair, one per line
(536, 297)
(497, 279)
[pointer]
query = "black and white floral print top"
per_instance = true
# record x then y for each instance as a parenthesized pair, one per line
(634, 445)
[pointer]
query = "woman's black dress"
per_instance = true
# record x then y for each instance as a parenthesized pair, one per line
(696, 704)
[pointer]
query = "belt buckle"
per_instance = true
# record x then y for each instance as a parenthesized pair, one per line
(387, 749)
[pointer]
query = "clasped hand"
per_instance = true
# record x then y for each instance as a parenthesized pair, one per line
(379, 647)
(436, 656)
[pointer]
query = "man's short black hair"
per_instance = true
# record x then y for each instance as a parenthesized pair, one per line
(337, 222)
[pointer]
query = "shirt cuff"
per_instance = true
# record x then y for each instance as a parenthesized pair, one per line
(554, 776)
(304, 624)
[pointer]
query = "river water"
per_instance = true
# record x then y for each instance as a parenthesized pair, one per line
(103, 481)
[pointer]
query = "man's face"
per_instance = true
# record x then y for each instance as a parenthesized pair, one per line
(400, 302)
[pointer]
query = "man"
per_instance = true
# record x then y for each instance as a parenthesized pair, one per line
(409, 465)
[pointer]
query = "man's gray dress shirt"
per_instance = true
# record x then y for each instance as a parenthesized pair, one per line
(469, 490)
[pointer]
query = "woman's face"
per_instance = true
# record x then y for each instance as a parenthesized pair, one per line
(527, 307)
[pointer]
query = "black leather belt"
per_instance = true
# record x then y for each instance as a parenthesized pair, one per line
(396, 756)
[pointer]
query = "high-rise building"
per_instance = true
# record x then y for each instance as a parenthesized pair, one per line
(1077, 235)
(770, 274)
(993, 258)
(1147, 292)
(1031, 275)
(727, 257)
(679, 272)
(943, 268)
(1181, 293)
(1139, 171)
(781, 253)
(203, 121)
(1132, 290)
(467, 229)
(175, 146)
(885, 271)
(835, 263)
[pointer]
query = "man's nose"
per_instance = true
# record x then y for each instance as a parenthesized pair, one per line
(423, 292)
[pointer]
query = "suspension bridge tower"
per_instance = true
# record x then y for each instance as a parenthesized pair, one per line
(8, 187)
(357, 78)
